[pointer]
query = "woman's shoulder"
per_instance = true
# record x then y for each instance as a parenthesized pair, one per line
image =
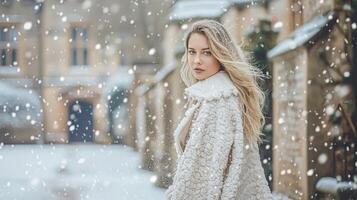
(214, 88)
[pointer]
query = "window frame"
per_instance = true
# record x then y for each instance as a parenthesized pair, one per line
(79, 48)
(8, 45)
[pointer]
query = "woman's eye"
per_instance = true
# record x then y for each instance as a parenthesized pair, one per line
(191, 52)
(207, 53)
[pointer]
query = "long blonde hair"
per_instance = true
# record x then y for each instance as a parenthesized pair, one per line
(244, 76)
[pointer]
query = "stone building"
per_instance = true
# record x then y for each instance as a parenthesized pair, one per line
(309, 65)
(161, 104)
(241, 16)
(20, 116)
(68, 53)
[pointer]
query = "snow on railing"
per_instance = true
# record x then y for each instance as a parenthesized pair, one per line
(19, 107)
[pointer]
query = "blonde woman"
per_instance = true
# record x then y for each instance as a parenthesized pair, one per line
(216, 140)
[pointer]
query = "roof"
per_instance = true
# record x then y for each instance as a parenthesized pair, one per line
(143, 88)
(302, 35)
(189, 9)
(198, 9)
(245, 2)
(159, 76)
(165, 71)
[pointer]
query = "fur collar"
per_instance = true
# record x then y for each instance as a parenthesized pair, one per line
(214, 87)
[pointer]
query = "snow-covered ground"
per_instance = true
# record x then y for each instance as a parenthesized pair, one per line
(74, 172)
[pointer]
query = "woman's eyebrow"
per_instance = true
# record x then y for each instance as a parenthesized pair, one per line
(202, 49)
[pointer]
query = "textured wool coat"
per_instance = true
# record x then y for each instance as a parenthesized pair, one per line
(215, 160)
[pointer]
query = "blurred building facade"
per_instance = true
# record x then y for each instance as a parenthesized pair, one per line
(76, 67)
(20, 50)
(67, 55)
(310, 70)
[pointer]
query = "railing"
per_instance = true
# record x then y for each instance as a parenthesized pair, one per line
(344, 184)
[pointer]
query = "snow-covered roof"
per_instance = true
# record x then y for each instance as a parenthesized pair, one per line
(198, 9)
(331, 185)
(159, 76)
(244, 2)
(122, 79)
(165, 71)
(302, 35)
(143, 88)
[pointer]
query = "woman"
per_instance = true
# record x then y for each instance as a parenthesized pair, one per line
(217, 139)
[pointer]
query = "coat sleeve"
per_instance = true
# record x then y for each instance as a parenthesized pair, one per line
(215, 135)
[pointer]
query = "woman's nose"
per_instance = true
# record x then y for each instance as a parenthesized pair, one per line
(197, 59)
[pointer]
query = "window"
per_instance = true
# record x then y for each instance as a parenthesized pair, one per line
(79, 46)
(8, 45)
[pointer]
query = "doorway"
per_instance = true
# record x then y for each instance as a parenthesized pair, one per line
(80, 121)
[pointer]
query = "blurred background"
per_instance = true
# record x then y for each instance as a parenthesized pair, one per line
(90, 94)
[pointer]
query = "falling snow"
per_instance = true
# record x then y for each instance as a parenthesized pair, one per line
(90, 92)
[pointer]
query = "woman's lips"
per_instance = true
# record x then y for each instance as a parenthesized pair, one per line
(198, 70)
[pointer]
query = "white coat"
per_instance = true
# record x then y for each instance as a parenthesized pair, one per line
(215, 160)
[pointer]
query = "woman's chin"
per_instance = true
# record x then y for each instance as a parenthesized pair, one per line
(198, 76)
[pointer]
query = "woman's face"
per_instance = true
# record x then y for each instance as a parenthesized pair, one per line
(200, 59)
